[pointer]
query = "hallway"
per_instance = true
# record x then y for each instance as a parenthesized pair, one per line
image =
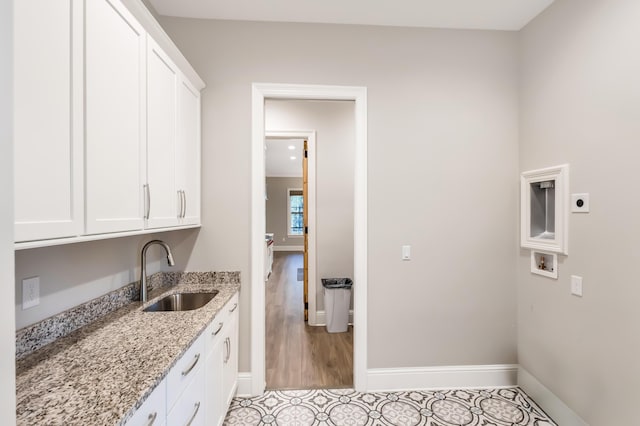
(300, 356)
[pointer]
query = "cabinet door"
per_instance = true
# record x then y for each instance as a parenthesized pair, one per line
(188, 152)
(230, 360)
(184, 370)
(162, 84)
(153, 410)
(48, 119)
(215, 408)
(115, 117)
(190, 407)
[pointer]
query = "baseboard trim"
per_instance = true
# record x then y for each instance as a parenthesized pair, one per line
(446, 377)
(288, 248)
(548, 401)
(244, 385)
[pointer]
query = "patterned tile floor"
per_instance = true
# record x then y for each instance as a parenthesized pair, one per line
(337, 407)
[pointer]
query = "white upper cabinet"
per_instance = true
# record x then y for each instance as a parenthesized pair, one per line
(115, 118)
(188, 152)
(107, 126)
(162, 83)
(173, 143)
(48, 119)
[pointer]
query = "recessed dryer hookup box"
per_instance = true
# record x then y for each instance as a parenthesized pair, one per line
(544, 200)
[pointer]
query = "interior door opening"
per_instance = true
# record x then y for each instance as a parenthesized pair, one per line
(255, 381)
(300, 355)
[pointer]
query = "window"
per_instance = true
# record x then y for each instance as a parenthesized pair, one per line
(295, 209)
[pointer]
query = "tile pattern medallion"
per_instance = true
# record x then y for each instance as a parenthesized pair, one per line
(337, 407)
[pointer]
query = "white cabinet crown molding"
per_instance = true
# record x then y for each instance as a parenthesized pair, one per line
(155, 30)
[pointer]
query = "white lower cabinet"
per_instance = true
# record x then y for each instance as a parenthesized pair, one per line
(199, 387)
(230, 359)
(187, 367)
(220, 383)
(154, 410)
(215, 409)
(189, 409)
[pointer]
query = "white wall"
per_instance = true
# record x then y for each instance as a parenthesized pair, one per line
(442, 137)
(580, 104)
(334, 123)
(7, 319)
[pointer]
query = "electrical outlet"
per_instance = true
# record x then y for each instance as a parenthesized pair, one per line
(576, 285)
(580, 203)
(30, 292)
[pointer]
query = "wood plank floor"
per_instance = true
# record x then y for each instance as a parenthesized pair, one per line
(300, 356)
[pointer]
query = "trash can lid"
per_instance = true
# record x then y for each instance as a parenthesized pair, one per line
(337, 282)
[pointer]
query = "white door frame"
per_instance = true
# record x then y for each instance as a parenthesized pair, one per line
(310, 137)
(260, 92)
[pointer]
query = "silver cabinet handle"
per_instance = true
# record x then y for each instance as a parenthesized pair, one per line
(147, 201)
(195, 412)
(227, 349)
(193, 364)
(235, 306)
(152, 418)
(181, 203)
(215, 333)
(184, 203)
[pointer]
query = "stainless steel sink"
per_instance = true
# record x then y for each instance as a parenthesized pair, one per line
(181, 302)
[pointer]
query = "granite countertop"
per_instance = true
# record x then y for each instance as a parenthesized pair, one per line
(102, 372)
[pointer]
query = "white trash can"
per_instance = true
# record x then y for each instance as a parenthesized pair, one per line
(337, 298)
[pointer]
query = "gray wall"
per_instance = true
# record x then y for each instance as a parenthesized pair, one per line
(442, 155)
(580, 104)
(334, 123)
(7, 319)
(276, 207)
(75, 273)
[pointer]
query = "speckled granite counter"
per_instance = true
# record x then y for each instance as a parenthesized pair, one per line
(101, 373)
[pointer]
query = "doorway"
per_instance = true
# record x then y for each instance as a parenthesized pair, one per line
(255, 380)
(301, 354)
(283, 180)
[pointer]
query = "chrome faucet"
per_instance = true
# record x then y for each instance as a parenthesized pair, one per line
(143, 265)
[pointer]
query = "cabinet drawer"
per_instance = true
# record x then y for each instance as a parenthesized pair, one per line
(216, 329)
(153, 410)
(190, 407)
(187, 367)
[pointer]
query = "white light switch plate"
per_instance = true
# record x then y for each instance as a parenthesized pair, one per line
(406, 252)
(576, 285)
(30, 292)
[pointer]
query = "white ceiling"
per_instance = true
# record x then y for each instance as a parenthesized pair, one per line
(278, 157)
(468, 14)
